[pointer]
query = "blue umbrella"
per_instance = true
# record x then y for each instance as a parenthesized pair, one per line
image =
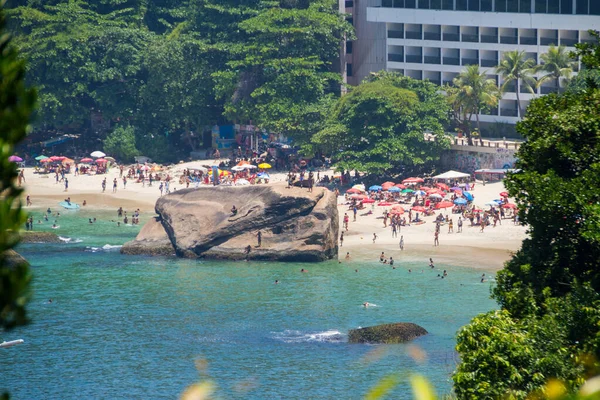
(468, 195)
(394, 189)
(375, 188)
(461, 202)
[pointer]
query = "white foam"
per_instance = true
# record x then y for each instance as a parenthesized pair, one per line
(111, 246)
(65, 239)
(293, 336)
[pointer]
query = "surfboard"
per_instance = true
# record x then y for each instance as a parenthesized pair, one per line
(69, 206)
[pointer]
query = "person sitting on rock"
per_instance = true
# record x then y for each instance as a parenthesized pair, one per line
(234, 210)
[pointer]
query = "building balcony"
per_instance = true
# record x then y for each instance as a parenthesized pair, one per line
(413, 35)
(523, 89)
(509, 112)
(470, 38)
(548, 89)
(451, 37)
(470, 61)
(395, 34)
(451, 61)
(544, 41)
(396, 57)
(489, 63)
(493, 111)
(448, 82)
(510, 88)
(414, 59)
(568, 42)
(432, 60)
(489, 38)
(436, 81)
(432, 36)
(528, 40)
(509, 39)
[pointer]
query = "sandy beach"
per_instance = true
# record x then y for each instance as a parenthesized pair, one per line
(487, 250)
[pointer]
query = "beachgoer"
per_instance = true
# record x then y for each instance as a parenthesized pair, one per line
(436, 238)
(115, 185)
(259, 238)
(431, 263)
(391, 261)
(66, 184)
(247, 251)
(346, 221)
(84, 202)
(402, 242)
(124, 181)
(374, 237)
(460, 224)
(276, 281)
(366, 304)
(382, 257)
(450, 227)
(91, 222)
(341, 239)
(104, 185)
(28, 200)
(234, 210)
(303, 270)
(347, 256)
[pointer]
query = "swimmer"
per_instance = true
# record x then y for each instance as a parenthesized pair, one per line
(91, 222)
(54, 226)
(381, 257)
(431, 263)
(118, 224)
(50, 301)
(366, 304)
(84, 202)
(276, 281)
(303, 270)
(392, 261)
(355, 270)
(49, 211)
(94, 219)
(347, 255)
(445, 273)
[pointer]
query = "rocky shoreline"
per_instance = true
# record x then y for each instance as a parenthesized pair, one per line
(39, 237)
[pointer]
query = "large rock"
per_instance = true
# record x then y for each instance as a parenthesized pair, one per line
(296, 225)
(152, 240)
(387, 333)
(12, 258)
(39, 237)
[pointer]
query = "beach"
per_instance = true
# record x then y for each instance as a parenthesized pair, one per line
(487, 250)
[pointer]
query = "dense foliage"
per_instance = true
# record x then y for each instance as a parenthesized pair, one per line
(16, 105)
(550, 290)
(378, 126)
(172, 69)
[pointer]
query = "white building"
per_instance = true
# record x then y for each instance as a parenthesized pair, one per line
(436, 39)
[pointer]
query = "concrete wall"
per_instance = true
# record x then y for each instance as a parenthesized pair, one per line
(468, 161)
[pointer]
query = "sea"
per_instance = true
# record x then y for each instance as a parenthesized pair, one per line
(138, 327)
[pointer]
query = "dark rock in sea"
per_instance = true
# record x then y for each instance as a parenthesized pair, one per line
(39, 237)
(152, 240)
(387, 333)
(12, 258)
(295, 225)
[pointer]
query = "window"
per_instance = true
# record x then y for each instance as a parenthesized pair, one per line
(473, 5)
(553, 6)
(350, 20)
(447, 4)
(566, 7)
(525, 6)
(461, 5)
(595, 8)
(410, 4)
(424, 4)
(348, 69)
(512, 6)
(500, 6)
(582, 7)
(349, 47)
(540, 6)
(436, 4)
(486, 5)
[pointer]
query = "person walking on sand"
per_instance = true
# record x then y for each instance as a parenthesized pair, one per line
(66, 184)
(103, 185)
(115, 185)
(346, 221)
(402, 242)
(124, 182)
(259, 238)
(28, 200)
(341, 239)
(450, 226)
(436, 238)
(374, 238)
(459, 224)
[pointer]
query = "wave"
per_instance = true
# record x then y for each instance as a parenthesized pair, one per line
(70, 240)
(106, 247)
(292, 336)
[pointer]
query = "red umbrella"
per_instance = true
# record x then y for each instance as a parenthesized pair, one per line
(444, 204)
(368, 201)
(385, 203)
(398, 211)
(359, 196)
(504, 194)
(86, 160)
(55, 158)
(101, 161)
(387, 185)
(418, 208)
(401, 186)
(425, 188)
(46, 160)
(353, 190)
(398, 207)
(413, 180)
(436, 191)
(443, 186)
(509, 205)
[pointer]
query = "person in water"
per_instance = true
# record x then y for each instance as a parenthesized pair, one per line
(366, 304)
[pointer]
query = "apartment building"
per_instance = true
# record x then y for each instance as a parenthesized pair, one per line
(436, 39)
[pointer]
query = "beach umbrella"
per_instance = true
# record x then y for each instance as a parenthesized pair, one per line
(242, 182)
(443, 186)
(398, 211)
(241, 163)
(413, 180)
(360, 187)
(444, 204)
(145, 168)
(264, 166)
(436, 191)
(401, 186)
(384, 204)
(97, 154)
(388, 183)
(418, 208)
(407, 191)
(492, 203)
(468, 195)
(101, 161)
(68, 161)
(435, 196)
(359, 196)
(509, 205)
(55, 158)
(375, 188)
(238, 168)
(354, 190)
(368, 201)
(425, 188)
(109, 159)
(46, 160)
(419, 193)
(504, 194)
(15, 159)
(460, 202)
(86, 160)
(397, 207)
(40, 158)
(394, 189)
(455, 188)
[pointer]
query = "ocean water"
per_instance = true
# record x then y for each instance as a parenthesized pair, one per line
(136, 327)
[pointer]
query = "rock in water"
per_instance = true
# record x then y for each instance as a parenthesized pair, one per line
(295, 225)
(39, 237)
(388, 333)
(152, 240)
(12, 258)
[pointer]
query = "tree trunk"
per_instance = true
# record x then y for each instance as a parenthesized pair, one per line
(478, 128)
(520, 111)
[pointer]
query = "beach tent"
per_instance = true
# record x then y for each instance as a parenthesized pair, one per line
(452, 175)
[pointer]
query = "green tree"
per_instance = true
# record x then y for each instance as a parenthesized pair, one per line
(516, 67)
(555, 65)
(120, 143)
(379, 126)
(472, 92)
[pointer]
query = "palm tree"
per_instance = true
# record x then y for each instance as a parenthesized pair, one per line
(556, 63)
(472, 93)
(515, 67)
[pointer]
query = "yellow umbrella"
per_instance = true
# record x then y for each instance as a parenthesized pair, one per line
(68, 161)
(264, 166)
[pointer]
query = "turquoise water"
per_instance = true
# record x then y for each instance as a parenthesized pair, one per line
(132, 327)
